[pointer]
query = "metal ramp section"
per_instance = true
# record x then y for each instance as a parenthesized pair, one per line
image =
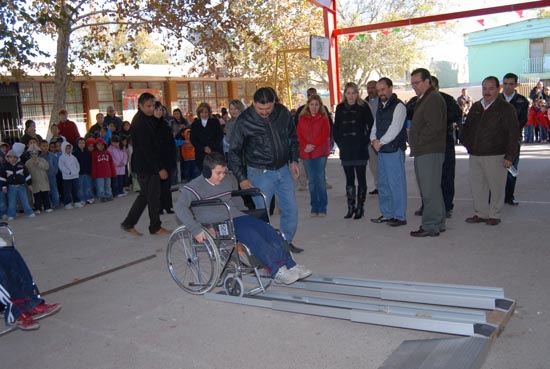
(452, 309)
(449, 353)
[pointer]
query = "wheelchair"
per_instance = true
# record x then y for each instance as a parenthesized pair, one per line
(221, 260)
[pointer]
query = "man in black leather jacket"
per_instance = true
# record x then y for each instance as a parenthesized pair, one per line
(264, 152)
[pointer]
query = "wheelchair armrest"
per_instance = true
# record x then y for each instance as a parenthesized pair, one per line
(196, 203)
(248, 191)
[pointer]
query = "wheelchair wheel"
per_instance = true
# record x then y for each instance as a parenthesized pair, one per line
(233, 286)
(194, 266)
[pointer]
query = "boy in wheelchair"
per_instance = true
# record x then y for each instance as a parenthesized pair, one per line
(262, 240)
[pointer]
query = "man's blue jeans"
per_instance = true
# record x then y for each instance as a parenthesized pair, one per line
(528, 133)
(18, 292)
(392, 185)
(264, 242)
(280, 183)
(315, 169)
(14, 192)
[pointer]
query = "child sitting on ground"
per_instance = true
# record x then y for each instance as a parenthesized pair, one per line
(69, 168)
(103, 168)
(38, 169)
(264, 242)
(14, 179)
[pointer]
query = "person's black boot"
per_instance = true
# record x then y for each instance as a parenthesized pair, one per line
(350, 194)
(361, 196)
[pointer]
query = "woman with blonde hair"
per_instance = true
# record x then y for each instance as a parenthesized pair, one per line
(352, 125)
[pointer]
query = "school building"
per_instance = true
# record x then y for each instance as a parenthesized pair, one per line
(86, 96)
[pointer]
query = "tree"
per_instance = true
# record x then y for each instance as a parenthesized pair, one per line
(82, 27)
(389, 53)
(282, 25)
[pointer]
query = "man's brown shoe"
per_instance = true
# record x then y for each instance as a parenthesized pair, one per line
(476, 219)
(162, 231)
(493, 221)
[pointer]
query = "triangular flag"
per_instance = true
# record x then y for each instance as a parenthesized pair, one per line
(350, 37)
(481, 21)
(362, 37)
(520, 13)
(385, 32)
(396, 30)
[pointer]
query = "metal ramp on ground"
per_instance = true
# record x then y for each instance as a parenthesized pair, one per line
(479, 313)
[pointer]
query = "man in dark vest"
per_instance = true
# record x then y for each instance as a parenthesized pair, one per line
(388, 138)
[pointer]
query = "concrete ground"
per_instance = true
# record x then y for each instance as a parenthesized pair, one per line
(138, 318)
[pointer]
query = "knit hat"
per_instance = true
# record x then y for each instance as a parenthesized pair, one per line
(90, 141)
(100, 141)
(12, 153)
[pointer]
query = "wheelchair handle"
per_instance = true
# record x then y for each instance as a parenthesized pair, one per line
(196, 203)
(249, 191)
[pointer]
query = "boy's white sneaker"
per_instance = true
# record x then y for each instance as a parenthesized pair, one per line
(10, 218)
(78, 205)
(91, 201)
(68, 207)
(32, 215)
(302, 271)
(49, 210)
(285, 276)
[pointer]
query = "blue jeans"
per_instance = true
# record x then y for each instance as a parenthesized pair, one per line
(189, 170)
(117, 185)
(3, 204)
(392, 185)
(528, 133)
(54, 192)
(14, 192)
(85, 191)
(279, 183)
(264, 243)
(18, 293)
(543, 134)
(103, 187)
(315, 169)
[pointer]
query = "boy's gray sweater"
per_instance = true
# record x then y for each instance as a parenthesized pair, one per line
(200, 189)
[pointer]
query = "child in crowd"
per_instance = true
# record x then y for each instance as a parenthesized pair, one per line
(13, 178)
(4, 148)
(189, 169)
(69, 168)
(124, 146)
(3, 200)
(120, 159)
(105, 134)
(53, 168)
(38, 169)
(27, 154)
(84, 158)
(54, 130)
(103, 168)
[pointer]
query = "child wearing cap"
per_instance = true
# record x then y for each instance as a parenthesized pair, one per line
(84, 157)
(38, 169)
(103, 168)
(69, 168)
(14, 179)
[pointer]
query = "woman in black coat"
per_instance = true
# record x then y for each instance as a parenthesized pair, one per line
(206, 134)
(352, 125)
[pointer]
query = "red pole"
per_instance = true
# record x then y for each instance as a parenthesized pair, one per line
(329, 16)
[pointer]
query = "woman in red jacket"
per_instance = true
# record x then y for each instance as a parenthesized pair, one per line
(314, 137)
